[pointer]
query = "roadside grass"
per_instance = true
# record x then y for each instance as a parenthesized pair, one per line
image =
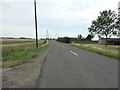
(15, 55)
(103, 51)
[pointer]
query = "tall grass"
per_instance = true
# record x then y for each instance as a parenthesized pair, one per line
(17, 54)
(112, 55)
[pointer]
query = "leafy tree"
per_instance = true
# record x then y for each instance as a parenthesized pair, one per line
(64, 39)
(104, 25)
(117, 26)
(80, 37)
(89, 37)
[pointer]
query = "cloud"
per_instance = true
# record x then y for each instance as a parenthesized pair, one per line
(66, 17)
(17, 30)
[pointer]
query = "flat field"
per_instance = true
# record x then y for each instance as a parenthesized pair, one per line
(18, 53)
(15, 41)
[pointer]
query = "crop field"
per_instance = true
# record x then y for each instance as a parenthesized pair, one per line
(15, 41)
(18, 53)
(110, 50)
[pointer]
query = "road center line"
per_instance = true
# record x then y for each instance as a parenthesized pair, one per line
(74, 53)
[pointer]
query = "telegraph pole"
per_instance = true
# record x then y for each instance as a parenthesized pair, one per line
(56, 36)
(36, 24)
(47, 35)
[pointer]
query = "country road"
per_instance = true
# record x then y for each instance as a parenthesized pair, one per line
(69, 67)
(64, 66)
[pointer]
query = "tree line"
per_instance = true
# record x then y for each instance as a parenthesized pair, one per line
(107, 24)
(15, 38)
(79, 38)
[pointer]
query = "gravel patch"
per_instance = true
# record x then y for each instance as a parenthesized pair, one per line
(23, 76)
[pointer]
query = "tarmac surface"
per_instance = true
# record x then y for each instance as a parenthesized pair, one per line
(64, 66)
(69, 67)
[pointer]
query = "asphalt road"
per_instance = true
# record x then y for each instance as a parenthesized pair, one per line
(69, 67)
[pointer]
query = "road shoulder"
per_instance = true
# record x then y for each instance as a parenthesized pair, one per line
(23, 76)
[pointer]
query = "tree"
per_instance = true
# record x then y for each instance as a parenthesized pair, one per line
(117, 26)
(89, 37)
(104, 25)
(66, 40)
(80, 37)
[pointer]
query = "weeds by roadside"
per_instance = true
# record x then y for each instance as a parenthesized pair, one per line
(14, 55)
(98, 51)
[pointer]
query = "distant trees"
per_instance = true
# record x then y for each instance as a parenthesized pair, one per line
(80, 37)
(89, 37)
(71, 39)
(64, 39)
(105, 25)
(117, 26)
(22, 37)
(15, 38)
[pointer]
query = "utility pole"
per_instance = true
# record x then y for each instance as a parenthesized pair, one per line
(47, 35)
(56, 36)
(36, 24)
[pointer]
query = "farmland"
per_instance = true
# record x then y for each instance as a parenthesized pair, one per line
(15, 41)
(15, 53)
(110, 51)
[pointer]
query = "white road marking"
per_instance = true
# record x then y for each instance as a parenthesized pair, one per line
(74, 53)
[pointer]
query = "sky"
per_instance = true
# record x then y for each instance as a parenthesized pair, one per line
(60, 17)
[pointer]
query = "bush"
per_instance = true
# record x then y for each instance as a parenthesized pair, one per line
(64, 39)
(44, 42)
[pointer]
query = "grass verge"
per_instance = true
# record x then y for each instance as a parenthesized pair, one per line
(111, 55)
(19, 54)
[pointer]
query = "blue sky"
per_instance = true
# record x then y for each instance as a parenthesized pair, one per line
(64, 17)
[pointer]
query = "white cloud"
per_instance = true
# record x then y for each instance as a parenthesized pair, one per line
(62, 16)
(59, 9)
(17, 30)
